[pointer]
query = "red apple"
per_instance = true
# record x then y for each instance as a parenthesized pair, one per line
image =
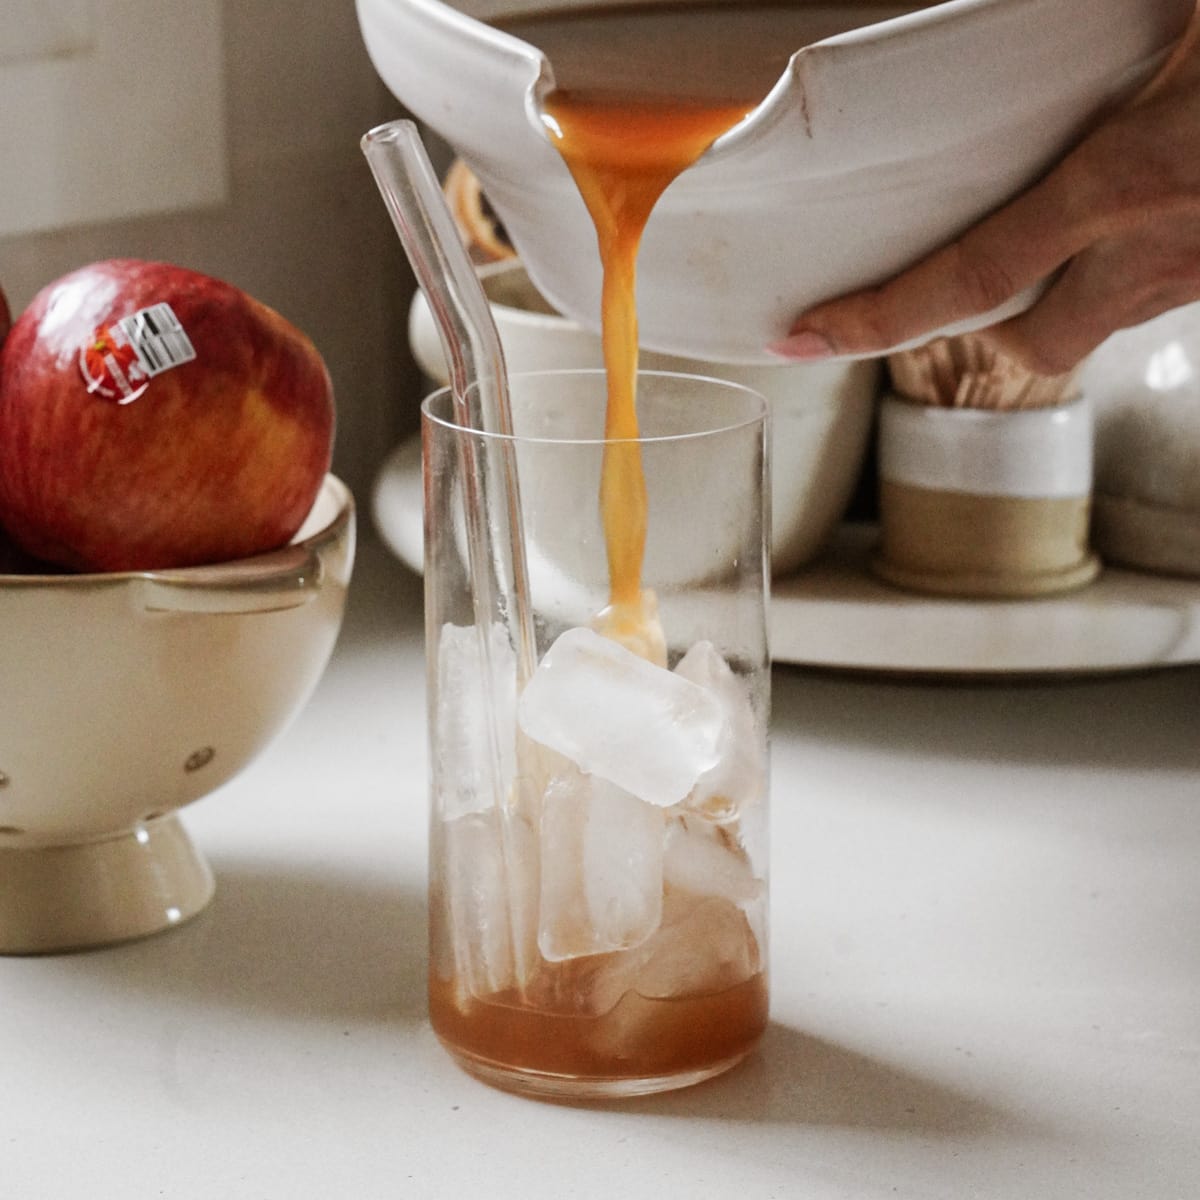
(14, 560)
(153, 417)
(5, 317)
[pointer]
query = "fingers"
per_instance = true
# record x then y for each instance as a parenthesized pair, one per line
(1060, 330)
(1015, 248)
(1116, 226)
(1114, 285)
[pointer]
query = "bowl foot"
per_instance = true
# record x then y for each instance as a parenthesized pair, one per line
(73, 897)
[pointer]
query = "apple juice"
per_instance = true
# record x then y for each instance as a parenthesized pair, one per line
(651, 1038)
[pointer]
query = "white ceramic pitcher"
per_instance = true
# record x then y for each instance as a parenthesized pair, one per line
(875, 145)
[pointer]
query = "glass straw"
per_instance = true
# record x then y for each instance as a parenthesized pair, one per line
(479, 389)
(478, 380)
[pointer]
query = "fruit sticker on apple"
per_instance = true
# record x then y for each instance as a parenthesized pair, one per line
(154, 417)
(118, 361)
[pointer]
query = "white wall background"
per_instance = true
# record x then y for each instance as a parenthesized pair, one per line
(301, 226)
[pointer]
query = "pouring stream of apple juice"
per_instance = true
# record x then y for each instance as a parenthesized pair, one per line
(623, 153)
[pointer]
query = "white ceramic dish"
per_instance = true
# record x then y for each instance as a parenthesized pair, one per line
(837, 615)
(821, 413)
(887, 133)
(129, 695)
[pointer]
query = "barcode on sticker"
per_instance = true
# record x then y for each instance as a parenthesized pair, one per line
(157, 338)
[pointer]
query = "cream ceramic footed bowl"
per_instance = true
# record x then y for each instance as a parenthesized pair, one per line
(129, 695)
(891, 129)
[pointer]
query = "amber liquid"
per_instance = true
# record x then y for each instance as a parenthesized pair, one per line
(623, 152)
(639, 1038)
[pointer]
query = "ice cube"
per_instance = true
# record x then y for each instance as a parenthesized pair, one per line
(618, 717)
(588, 986)
(465, 707)
(707, 860)
(488, 881)
(738, 778)
(705, 945)
(476, 903)
(601, 868)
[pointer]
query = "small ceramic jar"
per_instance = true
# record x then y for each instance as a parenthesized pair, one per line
(1145, 385)
(985, 503)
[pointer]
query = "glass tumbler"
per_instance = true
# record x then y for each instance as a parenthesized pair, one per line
(598, 836)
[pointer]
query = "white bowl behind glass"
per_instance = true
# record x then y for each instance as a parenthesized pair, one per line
(821, 413)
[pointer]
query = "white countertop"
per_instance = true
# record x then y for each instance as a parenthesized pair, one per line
(985, 949)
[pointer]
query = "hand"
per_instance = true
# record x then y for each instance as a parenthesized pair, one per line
(1114, 227)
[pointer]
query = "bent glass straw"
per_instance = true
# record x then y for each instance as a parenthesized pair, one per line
(479, 387)
(478, 380)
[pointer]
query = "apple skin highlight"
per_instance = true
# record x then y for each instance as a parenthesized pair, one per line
(216, 458)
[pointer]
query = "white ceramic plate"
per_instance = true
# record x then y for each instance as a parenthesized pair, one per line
(835, 614)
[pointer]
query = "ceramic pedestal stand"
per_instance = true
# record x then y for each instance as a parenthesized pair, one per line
(68, 897)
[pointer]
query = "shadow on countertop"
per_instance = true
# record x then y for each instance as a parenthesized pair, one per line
(795, 1078)
(280, 941)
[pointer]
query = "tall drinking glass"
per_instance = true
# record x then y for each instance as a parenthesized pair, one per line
(598, 836)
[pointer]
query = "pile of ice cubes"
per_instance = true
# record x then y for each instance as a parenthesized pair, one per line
(598, 814)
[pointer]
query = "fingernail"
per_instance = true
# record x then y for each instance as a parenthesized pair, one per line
(805, 346)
